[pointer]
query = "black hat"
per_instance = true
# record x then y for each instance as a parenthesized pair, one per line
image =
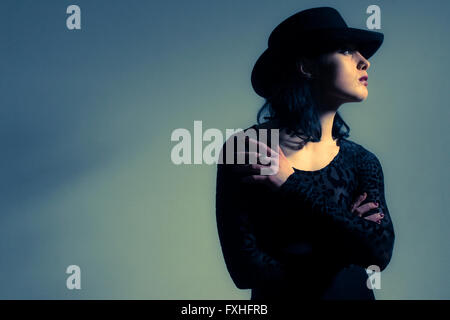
(308, 32)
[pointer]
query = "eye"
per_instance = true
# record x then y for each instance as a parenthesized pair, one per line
(347, 51)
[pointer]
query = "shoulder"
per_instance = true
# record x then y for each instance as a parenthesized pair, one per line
(251, 131)
(363, 157)
(233, 139)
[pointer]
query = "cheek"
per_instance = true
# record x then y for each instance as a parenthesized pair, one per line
(333, 77)
(341, 82)
(343, 78)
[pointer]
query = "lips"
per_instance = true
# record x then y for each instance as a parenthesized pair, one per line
(364, 78)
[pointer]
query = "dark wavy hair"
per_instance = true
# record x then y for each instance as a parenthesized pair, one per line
(293, 105)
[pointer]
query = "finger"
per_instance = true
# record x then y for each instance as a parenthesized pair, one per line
(359, 200)
(248, 168)
(241, 157)
(376, 217)
(366, 207)
(262, 148)
(253, 157)
(356, 203)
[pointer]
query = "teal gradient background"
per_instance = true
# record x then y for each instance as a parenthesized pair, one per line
(86, 118)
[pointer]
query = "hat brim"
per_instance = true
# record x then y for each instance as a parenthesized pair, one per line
(267, 68)
(367, 42)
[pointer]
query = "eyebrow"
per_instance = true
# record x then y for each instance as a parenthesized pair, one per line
(351, 46)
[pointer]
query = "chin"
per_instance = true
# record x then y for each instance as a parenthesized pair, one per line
(360, 97)
(353, 95)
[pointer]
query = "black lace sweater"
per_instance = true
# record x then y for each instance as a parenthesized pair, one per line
(303, 241)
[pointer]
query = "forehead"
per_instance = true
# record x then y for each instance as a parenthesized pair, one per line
(330, 50)
(333, 48)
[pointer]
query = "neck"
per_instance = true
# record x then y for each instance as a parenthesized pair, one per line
(326, 107)
(326, 119)
(326, 110)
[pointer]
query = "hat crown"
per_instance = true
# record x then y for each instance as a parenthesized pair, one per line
(303, 23)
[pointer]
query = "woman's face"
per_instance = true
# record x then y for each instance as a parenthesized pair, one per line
(339, 74)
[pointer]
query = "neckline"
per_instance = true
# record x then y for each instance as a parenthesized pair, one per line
(341, 142)
(336, 157)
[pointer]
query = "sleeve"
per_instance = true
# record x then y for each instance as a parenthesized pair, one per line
(355, 240)
(248, 264)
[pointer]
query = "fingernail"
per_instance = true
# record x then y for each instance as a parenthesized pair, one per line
(382, 215)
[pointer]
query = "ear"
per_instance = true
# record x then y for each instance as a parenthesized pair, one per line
(305, 67)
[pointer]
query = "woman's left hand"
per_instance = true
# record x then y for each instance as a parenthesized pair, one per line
(360, 210)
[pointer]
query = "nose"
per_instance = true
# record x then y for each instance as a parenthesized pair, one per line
(363, 63)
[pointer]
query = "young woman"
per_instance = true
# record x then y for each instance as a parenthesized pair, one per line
(313, 227)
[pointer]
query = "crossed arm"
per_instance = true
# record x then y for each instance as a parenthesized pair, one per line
(355, 239)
